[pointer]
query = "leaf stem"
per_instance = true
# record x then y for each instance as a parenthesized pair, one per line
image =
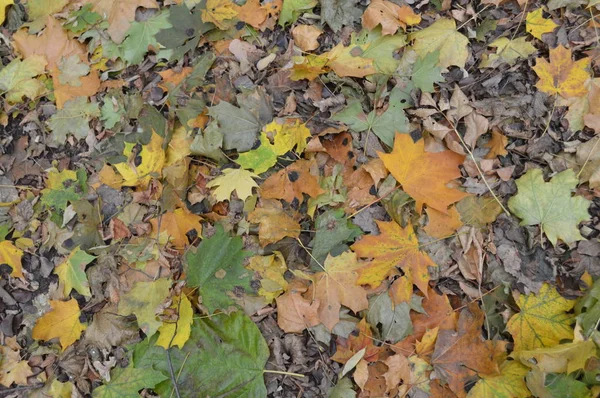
(279, 372)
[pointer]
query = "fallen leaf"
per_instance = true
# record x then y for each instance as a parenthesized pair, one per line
(346, 348)
(128, 381)
(17, 79)
(563, 358)
(253, 13)
(141, 37)
(142, 165)
(3, 5)
(13, 369)
(424, 175)
(509, 383)
(177, 332)
(478, 211)
(339, 13)
(461, 354)
(398, 371)
(143, 301)
(442, 36)
(11, 255)
(239, 180)
(543, 320)
(294, 312)
(507, 51)
(348, 61)
(390, 16)
(290, 183)
(550, 204)
(291, 10)
(218, 11)
(537, 25)
(497, 144)
(561, 75)
(119, 14)
(74, 118)
(239, 132)
(271, 269)
(61, 322)
(394, 320)
(306, 37)
(176, 225)
(216, 269)
(71, 273)
(395, 246)
(274, 223)
(442, 225)
(336, 286)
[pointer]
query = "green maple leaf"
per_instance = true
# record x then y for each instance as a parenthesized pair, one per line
(71, 69)
(74, 119)
(291, 10)
(425, 72)
(238, 125)
(83, 19)
(17, 78)
(381, 49)
(333, 231)
(127, 382)
(508, 384)
(384, 125)
(260, 159)
(550, 205)
(216, 269)
(185, 32)
(508, 51)
(72, 272)
(141, 36)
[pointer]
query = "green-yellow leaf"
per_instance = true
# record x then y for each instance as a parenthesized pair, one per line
(140, 37)
(238, 180)
(442, 36)
(260, 159)
(271, 269)
(17, 78)
(543, 320)
(563, 358)
(177, 332)
(292, 9)
(537, 25)
(550, 205)
(71, 70)
(126, 383)
(510, 383)
(74, 118)
(508, 51)
(71, 272)
(288, 135)
(143, 301)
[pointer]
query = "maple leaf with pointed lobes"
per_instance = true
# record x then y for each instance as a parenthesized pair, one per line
(137, 173)
(395, 246)
(271, 269)
(543, 320)
(119, 14)
(176, 225)
(294, 312)
(389, 15)
(461, 354)
(510, 383)
(218, 11)
(290, 183)
(239, 180)
(561, 75)
(71, 272)
(550, 205)
(337, 286)
(497, 144)
(143, 301)
(424, 175)
(61, 322)
(17, 78)
(442, 225)
(346, 348)
(12, 368)
(442, 36)
(563, 358)
(537, 25)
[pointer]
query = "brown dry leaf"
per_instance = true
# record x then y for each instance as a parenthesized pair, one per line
(395, 246)
(337, 286)
(442, 225)
(274, 223)
(61, 322)
(398, 371)
(424, 175)
(462, 354)
(119, 14)
(294, 312)
(561, 75)
(346, 348)
(290, 183)
(390, 16)
(176, 226)
(497, 144)
(12, 368)
(306, 37)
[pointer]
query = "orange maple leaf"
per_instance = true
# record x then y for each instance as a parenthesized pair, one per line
(274, 223)
(291, 182)
(294, 312)
(346, 348)
(395, 246)
(461, 354)
(561, 75)
(389, 15)
(424, 175)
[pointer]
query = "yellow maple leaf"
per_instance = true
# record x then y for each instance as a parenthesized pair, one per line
(347, 61)
(271, 269)
(238, 180)
(177, 332)
(3, 5)
(394, 246)
(509, 383)
(561, 75)
(12, 368)
(62, 323)
(287, 135)
(217, 11)
(71, 272)
(141, 167)
(537, 25)
(176, 225)
(11, 255)
(543, 320)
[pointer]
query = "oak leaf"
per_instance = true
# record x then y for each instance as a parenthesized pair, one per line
(176, 225)
(119, 14)
(239, 180)
(294, 312)
(218, 11)
(442, 36)
(291, 182)
(543, 320)
(11, 255)
(274, 223)
(561, 75)
(395, 246)
(537, 25)
(550, 204)
(424, 175)
(390, 16)
(461, 354)
(61, 322)
(336, 286)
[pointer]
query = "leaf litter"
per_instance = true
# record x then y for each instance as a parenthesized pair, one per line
(287, 198)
